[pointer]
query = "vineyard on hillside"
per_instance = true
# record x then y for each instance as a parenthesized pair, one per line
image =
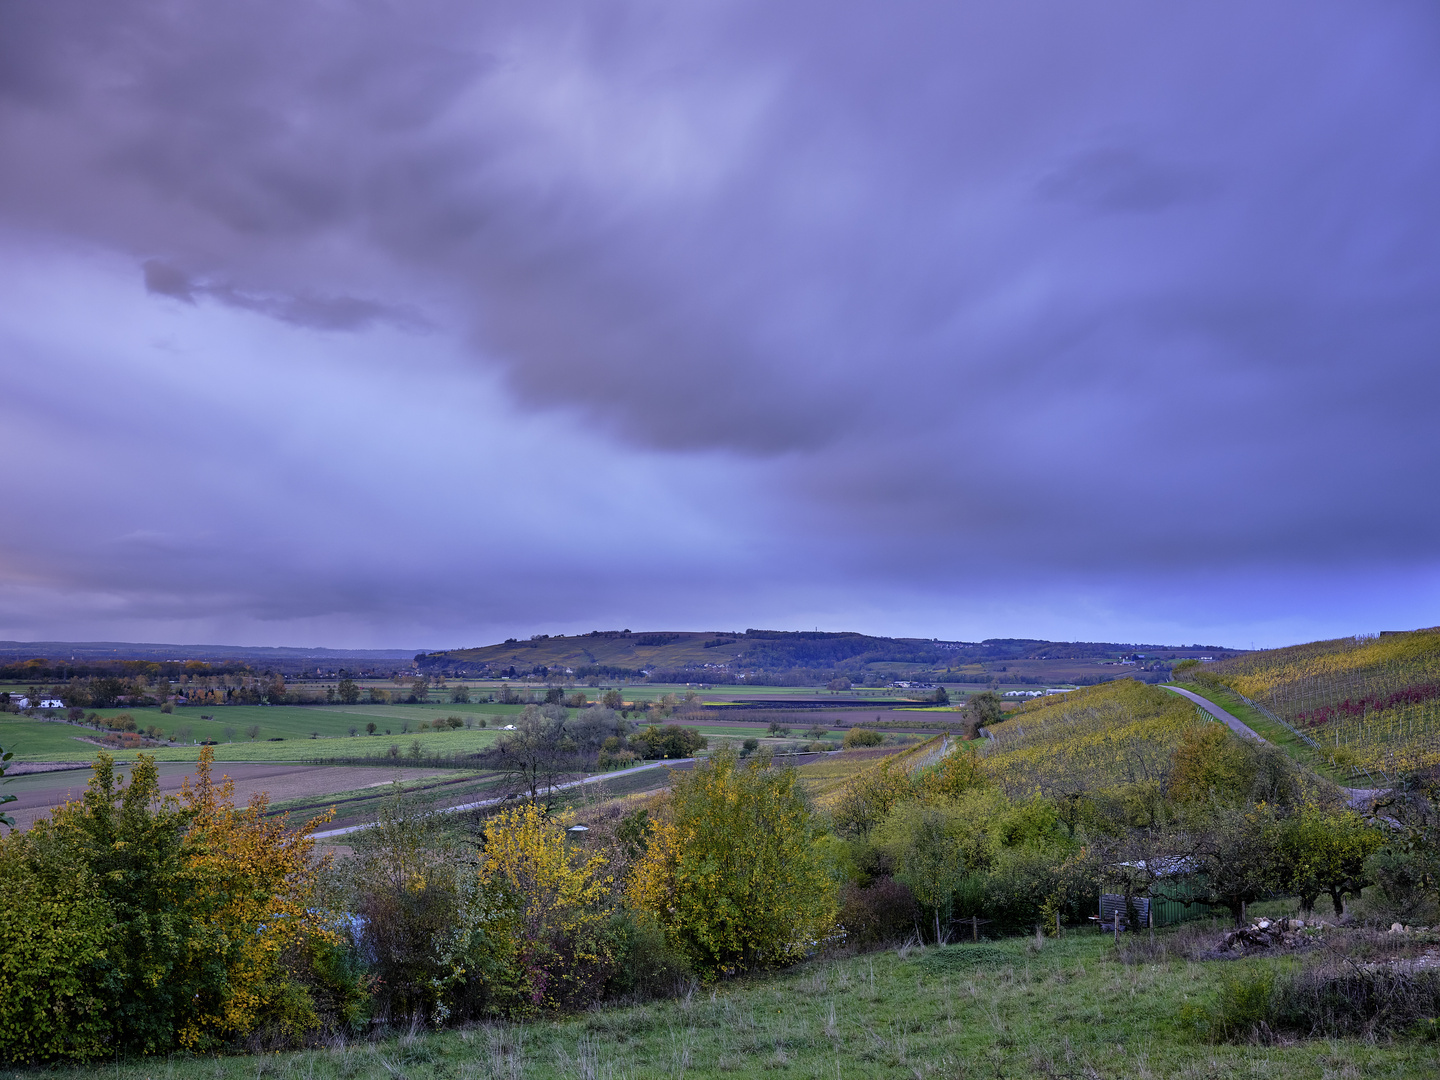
(1369, 703)
(1117, 733)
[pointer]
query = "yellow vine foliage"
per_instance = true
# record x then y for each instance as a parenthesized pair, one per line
(1339, 668)
(1118, 733)
(1370, 703)
(251, 880)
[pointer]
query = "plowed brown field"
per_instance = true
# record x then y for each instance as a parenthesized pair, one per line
(40, 794)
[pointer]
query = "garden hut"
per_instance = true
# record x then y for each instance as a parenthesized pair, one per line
(1160, 892)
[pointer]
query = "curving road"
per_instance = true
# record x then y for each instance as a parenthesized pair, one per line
(668, 763)
(1359, 798)
(1244, 731)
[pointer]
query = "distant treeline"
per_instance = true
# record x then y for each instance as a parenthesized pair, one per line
(42, 669)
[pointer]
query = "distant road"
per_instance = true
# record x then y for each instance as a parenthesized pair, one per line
(675, 763)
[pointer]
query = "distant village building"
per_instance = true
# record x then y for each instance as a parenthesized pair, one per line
(51, 703)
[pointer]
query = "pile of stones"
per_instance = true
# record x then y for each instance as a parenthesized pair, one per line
(1269, 934)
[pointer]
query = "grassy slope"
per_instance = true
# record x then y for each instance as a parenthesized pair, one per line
(997, 1011)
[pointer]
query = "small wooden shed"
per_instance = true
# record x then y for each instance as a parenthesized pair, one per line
(1175, 885)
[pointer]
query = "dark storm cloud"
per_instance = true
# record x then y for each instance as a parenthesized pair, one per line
(317, 312)
(1067, 289)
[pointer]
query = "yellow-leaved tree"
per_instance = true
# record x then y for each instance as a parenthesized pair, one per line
(536, 876)
(251, 881)
(161, 922)
(732, 869)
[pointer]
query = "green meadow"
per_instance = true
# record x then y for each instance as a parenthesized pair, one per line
(304, 732)
(1069, 1008)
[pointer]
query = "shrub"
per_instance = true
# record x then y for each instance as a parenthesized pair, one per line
(1244, 1009)
(553, 902)
(1331, 999)
(671, 741)
(646, 964)
(412, 896)
(879, 913)
(197, 900)
(1334, 1000)
(55, 984)
(869, 796)
(732, 871)
(860, 736)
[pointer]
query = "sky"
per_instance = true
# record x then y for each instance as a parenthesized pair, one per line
(367, 323)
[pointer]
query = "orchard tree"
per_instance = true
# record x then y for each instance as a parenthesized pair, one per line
(1324, 851)
(537, 754)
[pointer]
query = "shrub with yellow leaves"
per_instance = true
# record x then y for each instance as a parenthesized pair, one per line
(168, 921)
(554, 899)
(732, 870)
(251, 883)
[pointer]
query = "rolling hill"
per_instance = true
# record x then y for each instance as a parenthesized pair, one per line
(808, 657)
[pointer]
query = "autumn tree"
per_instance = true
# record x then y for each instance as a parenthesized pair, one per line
(553, 898)
(1324, 852)
(537, 755)
(191, 904)
(732, 870)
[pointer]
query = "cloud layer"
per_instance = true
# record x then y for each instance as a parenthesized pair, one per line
(441, 319)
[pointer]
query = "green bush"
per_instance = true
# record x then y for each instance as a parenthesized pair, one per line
(55, 978)
(1330, 999)
(646, 965)
(671, 741)
(862, 737)
(1245, 1008)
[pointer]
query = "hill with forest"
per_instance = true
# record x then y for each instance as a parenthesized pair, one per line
(800, 658)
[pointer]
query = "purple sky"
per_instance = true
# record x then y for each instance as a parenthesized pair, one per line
(435, 322)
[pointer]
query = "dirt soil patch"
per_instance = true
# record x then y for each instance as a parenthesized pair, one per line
(280, 781)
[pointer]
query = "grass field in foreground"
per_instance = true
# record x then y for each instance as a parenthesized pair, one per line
(996, 1010)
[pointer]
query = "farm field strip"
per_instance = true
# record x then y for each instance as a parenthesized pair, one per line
(282, 781)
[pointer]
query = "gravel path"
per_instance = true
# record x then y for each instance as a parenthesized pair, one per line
(1359, 798)
(1220, 714)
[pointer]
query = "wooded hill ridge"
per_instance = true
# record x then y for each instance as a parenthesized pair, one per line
(719, 656)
